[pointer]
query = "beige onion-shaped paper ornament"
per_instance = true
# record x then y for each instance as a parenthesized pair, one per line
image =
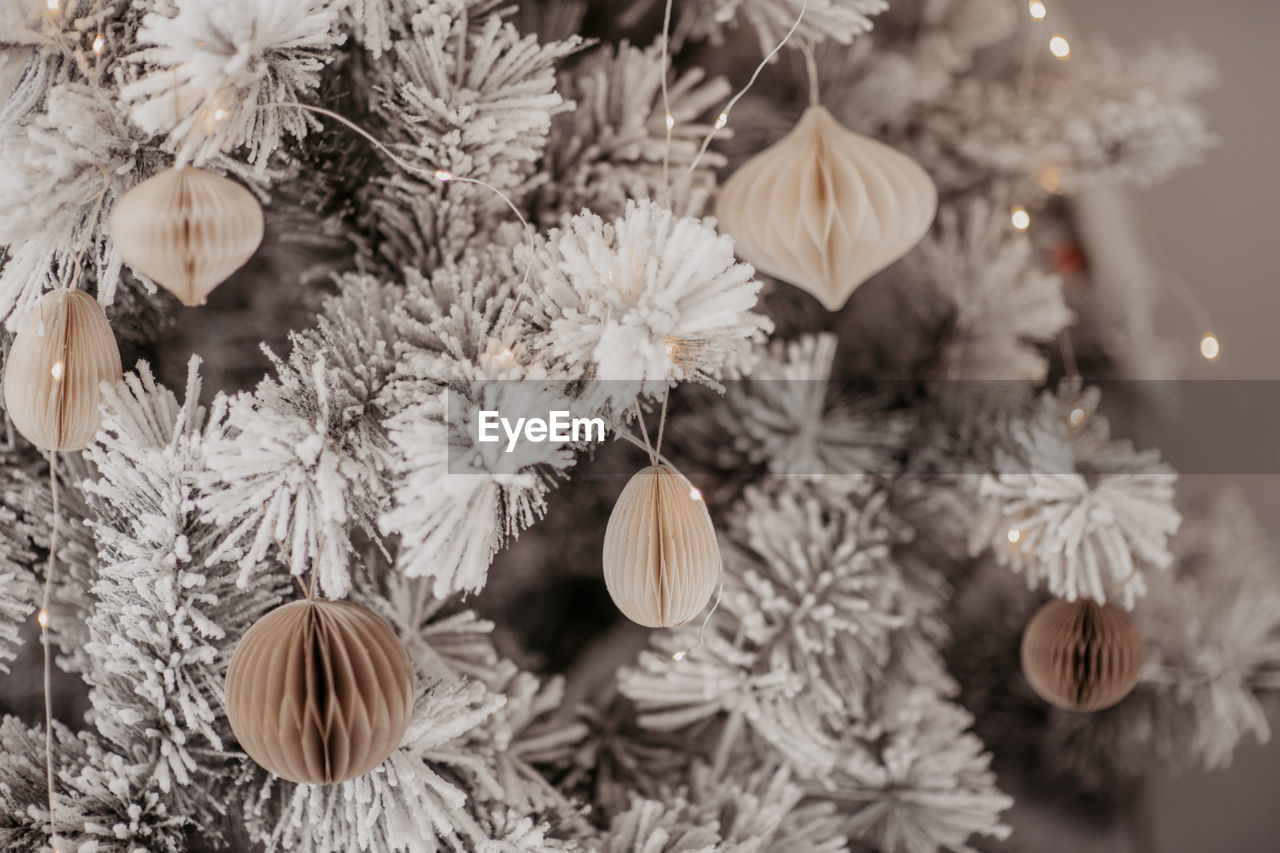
(319, 691)
(661, 557)
(1081, 655)
(187, 230)
(825, 208)
(64, 349)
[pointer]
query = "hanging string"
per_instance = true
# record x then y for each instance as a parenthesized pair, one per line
(723, 118)
(1068, 350)
(811, 68)
(42, 618)
(653, 454)
(662, 420)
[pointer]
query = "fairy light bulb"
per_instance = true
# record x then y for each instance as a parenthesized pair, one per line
(1015, 536)
(1037, 10)
(443, 175)
(1076, 417)
(57, 370)
(99, 42)
(1060, 47)
(43, 619)
(680, 655)
(1210, 348)
(695, 493)
(52, 5)
(1019, 217)
(219, 114)
(671, 121)
(722, 120)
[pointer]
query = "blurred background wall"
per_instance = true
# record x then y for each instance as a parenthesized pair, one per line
(1215, 226)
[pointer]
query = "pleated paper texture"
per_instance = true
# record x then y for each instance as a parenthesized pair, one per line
(187, 230)
(63, 350)
(825, 208)
(319, 691)
(1081, 655)
(661, 557)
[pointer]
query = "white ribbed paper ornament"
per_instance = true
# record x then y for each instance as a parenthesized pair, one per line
(661, 557)
(63, 350)
(825, 208)
(187, 230)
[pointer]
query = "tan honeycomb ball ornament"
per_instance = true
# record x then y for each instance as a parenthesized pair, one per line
(187, 230)
(661, 557)
(825, 208)
(319, 691)
(1081, 655)
(63, 350)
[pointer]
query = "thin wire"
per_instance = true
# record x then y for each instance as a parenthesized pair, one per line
(1068, 350)
(44, 636)
(666, 103)
(724, 114)
(626, 436)
(431, 173)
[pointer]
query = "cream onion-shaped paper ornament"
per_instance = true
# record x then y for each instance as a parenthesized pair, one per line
(187, 230)
(64, 349)
(661, 557)
(319, 691)
(1081, 655)
(825, 208)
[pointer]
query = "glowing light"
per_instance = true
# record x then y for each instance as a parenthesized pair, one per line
(443, 176)
(680, 655)
(694, 493)
(1076, 417)
(219, 114)
(1051, 179)
(671, 121)
(1209, 347)
(57, 370)
(99, 42)
(43, 618)
(52, 5)
(1037, 10)
(1020, 218)
(722, 120)
(1015, 536)
(1060, 47)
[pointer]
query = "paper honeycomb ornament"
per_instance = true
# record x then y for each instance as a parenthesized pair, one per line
(319, 691)
(661, 557)
(825, 208)
(187, 230)
(63, 350)
(1081, 655)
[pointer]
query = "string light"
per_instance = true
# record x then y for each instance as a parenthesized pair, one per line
(1019, 217)
(1210, 347)
(442, 175)
(722, 120)
(99, 42)
(1060, 47)
(219, 114)
(43, 618)
(1015, 536)
(52, 5)
(1076, 417)
(57, 370)
(1037, 10)
(694, 493)
(671, 121)
(680, 655)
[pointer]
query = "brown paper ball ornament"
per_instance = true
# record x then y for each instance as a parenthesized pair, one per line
(1081, 655)
(661, 557)
(825, 208)
(187, 230)
(63, 350)
(319, 691)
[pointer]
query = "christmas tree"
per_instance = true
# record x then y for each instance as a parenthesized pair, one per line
(294, 554)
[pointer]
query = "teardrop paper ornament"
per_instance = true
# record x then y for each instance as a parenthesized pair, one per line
(825, 208)
(187, 230)
(661, 557)
(64, 349)
(319, 691)
(1081, 655)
